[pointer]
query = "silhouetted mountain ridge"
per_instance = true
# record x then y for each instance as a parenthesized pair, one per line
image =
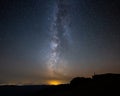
(98, 85)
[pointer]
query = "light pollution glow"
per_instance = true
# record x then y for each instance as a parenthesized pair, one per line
(54, 82)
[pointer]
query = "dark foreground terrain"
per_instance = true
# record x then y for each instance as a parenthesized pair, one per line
(98, 85)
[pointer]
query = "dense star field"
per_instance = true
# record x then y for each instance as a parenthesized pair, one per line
(52, 41)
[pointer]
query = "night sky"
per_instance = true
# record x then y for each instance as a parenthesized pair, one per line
(55, 40)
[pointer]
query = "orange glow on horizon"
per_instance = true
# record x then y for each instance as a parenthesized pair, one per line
(54, 82)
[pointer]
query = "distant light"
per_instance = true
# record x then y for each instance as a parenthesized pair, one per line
(54, 82)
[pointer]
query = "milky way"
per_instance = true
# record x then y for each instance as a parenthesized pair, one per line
(60, 38)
